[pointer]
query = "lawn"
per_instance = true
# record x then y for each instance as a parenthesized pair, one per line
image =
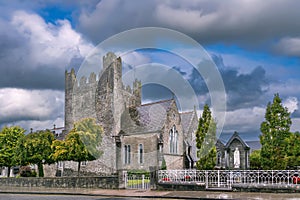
(137, 182)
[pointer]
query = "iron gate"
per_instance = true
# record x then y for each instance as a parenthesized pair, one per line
(137, 181)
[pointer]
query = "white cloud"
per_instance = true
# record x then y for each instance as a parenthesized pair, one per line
(289, 46)
(245, 120)
(135, 59)
(287, 88)
(291, 103)
(295, 125)
(35, 105)
(49, 44)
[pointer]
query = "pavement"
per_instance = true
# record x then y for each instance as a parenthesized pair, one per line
(151, 193)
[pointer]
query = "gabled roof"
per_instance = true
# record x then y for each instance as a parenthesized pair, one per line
(220, 143)
(186, 120)
(149, 117)
(236, 136)
(254, 145)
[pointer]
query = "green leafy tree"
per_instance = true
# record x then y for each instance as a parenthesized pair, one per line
(60, 150)
(36, 148)
(9, 137)
(293, 153)
(205, 140)
(275, 133)
(82, 142)
(255, 160)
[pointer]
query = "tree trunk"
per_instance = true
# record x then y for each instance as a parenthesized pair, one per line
(8, 171)
(41, 170)
(79, 163)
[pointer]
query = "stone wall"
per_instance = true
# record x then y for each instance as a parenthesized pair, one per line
(103, 100)
(173, 160)
(150, 153)
(108, 182)
(180, 187)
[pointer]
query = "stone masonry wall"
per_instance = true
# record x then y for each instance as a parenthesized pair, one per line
(104, 101)
(108, 182)
(173, 161)
(150, 155)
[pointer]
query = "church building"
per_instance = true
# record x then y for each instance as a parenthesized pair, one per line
(136, 136)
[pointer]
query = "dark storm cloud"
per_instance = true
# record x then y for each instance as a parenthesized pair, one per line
(243, 90)
(155, 92)
(252, 24)
(17, 71)
(43, 78)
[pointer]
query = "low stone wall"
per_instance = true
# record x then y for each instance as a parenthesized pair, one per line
(275, 188)
(107, 182)
(180, 187)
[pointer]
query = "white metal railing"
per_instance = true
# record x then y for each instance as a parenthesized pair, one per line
(225, 178)
(137, 182)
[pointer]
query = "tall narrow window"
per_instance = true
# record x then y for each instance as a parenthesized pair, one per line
(176, 141)
(83, 163)
(141, 152)
(127, 155)
(173, 139)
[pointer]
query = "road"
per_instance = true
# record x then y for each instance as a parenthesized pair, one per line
(59, 197)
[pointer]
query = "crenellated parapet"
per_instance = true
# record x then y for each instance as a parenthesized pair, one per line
(93, 96)
(108, 59)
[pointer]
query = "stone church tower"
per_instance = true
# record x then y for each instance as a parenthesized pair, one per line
(111, 95)
(105, 100)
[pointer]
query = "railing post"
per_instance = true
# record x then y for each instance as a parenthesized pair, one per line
(288, 176)
(218, 178)
(143, 181)
(230, 178)
(125, 179)
(206, 179)
(258, 177)
(272, 177)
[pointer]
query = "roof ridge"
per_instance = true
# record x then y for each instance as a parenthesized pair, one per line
(161, 101)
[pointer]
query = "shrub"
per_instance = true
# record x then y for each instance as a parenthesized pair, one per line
(26, 171)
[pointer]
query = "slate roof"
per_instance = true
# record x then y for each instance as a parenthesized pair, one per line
(236, 136)
(150, 117)
(254, 145)
(186, 121)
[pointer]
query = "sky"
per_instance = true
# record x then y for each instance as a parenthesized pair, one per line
(254, 44)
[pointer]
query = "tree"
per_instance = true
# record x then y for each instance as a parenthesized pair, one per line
(275, 133)
(36, 148)
(60, 150)
(9, 137)
(255, 160)
(82, 142)
(205, 140)
(293, 151)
